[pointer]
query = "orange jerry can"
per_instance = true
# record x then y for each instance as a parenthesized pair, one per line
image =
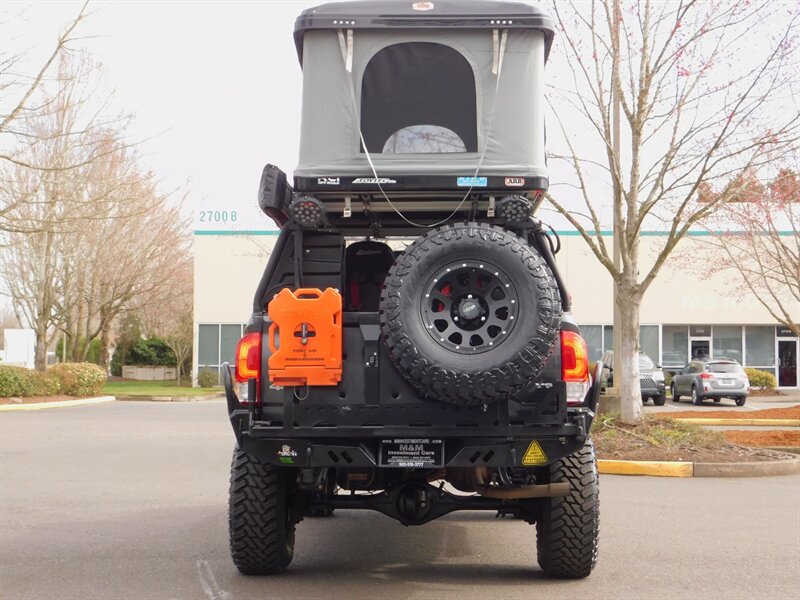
(305, 337)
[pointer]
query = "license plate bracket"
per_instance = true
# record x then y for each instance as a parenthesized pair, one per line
(412, 452)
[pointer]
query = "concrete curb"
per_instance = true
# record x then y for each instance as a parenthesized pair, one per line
(56, 404)
(787, 466)
(652, 468)
(171, 398)
(767, 422)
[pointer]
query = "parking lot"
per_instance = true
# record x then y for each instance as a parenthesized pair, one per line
(128, 500)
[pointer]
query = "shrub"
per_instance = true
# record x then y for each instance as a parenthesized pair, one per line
(207, 379)
(151, 352)
(761, 379)
(79, 379)
(19, 381)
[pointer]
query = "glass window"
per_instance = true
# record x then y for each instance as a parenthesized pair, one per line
(208, 345)
(423, 139)
(419, 97)
(608, 337)
(760, 344)
(646, 363)
(648, 341)
(726, 342)
(229, 338)
(723, 368)
(674, 345)
(593, 334)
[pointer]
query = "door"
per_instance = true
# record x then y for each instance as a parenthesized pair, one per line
(787, 363)
(700, 348)
(683, 380)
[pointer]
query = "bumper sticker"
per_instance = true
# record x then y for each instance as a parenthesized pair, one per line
(472, 181)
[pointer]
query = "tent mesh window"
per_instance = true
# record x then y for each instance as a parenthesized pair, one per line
(419, 97)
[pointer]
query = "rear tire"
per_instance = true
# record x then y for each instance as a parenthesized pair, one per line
(675, 396)
(660, 400)
(568, 530)
(260, 519)
(741, 401)
(697, 400)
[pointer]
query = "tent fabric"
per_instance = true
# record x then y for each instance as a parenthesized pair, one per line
(330, 143)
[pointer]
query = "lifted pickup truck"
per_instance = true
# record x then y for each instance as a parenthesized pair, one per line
(411, 348)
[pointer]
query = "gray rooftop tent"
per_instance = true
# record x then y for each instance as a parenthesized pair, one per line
(425, 95)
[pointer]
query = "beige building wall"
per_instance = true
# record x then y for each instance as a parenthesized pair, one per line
(228, 268)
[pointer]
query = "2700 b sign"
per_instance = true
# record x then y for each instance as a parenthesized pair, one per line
(416, 452)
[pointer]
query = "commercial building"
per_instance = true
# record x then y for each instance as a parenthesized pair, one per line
(689, 310)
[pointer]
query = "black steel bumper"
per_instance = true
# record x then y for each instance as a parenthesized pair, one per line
(502, 445)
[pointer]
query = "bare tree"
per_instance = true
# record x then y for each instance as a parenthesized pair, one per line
(756, 236)
(91, 241)
(696, 101)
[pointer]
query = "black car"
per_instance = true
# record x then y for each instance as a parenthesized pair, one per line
(651, 377)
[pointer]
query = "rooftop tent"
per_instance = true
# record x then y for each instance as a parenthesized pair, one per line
(434, 88)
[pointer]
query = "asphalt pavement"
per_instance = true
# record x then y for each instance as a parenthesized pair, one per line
(128, 501)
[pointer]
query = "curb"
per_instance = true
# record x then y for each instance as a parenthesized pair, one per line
(787, 466)
(171, 398)
(56, 404)
(645, 467)
(768, 422)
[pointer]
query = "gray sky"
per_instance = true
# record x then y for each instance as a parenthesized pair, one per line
(217, 83)
(219, 86)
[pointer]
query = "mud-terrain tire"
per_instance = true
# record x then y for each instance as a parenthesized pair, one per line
(511, 335)
(568, 531)
(260, 522)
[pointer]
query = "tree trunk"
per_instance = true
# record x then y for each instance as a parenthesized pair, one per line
(105, 338)
(626, 365)
(40, 352)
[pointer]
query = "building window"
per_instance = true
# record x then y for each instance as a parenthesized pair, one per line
(674, 346)
(608, 338)
(593, 334)
(648, 341)
(726, 342)
(419, 97)
(216, 344)
(760, 347)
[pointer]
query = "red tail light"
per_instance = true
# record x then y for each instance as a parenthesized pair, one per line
(706, 376)
(248, 357)
(574, 357)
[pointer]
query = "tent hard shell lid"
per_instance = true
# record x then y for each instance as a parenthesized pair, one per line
(440, 95)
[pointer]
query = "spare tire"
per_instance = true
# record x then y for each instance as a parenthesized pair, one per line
(470, 314)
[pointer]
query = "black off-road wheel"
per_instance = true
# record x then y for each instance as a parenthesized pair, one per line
(568, 531)
(260, 519)
(470, 313)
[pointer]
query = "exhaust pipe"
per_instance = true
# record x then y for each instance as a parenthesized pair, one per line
(547, 490)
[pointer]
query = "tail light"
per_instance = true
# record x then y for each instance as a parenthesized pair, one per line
(706, 376)
(574, 366)
(248, 364)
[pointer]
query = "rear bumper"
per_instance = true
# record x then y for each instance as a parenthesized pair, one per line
(504, 444)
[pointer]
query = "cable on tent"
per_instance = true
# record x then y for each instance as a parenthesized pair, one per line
(498, 49)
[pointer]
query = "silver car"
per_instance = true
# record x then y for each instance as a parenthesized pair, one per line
(714, 379)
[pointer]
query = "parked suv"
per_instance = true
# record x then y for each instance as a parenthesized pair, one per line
(388, 376)
(711, 378)
(651, 377)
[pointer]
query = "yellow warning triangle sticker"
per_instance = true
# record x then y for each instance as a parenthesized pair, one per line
(534, 455)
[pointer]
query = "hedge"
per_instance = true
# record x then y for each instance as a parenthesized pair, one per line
(19, 381)
(72, 379)
(761, 379)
